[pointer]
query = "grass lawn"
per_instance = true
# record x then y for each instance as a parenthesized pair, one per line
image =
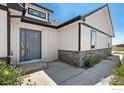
(115, 48)
(118, 74)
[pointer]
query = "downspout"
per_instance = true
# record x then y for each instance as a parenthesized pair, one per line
(9, 54)
(79, 33)
(8, 36)
(48, 18)
(79, 36)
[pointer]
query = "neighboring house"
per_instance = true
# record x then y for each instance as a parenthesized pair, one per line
(28, 35)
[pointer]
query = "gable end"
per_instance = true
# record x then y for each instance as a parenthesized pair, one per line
(110, 20)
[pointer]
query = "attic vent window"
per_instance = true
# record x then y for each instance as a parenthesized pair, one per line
(36, 13)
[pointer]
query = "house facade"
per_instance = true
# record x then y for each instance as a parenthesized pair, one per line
(28, 35)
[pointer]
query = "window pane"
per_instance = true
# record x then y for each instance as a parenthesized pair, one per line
(93, 39)
(109, 42)
(36, 13)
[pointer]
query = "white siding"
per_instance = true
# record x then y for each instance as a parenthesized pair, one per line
(3, 33)
(101, 39)
(65, 38)
(49, 40)
(100, 20)
(5, 4)
(85, 38)
(68, 37)
(38, 9)
(15, 12)
(110, 42)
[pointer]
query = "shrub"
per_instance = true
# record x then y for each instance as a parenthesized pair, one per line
(122, 61)
(119, 71)
(117, 80)
(10, 75)
(91, 61)
(2, 62)
(118, 75)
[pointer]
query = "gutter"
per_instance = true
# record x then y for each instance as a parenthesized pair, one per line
(89, 26)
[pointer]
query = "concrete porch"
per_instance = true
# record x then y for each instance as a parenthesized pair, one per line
(33, 67)
(64, 74)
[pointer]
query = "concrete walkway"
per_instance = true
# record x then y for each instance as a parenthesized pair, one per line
(60, 71)
(64, 74)
(33, 67)
(38, 78)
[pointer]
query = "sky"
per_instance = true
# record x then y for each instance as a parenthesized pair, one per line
(66, 11)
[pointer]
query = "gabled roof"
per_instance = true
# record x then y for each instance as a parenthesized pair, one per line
(106, 5)
(42, 23)
(82, 17)
(15, 6)
(37, 22)
(110, 20)
(79, 17)
(91, 12)
(42, 7)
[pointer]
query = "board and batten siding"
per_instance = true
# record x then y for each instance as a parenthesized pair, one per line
(85, 38)
(3, 33)
(68, 37)
(48, 40)
(100, 20)
(101, 39)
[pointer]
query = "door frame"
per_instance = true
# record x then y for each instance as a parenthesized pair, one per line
(21, 29)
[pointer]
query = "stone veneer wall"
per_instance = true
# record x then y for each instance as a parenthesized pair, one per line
(78, 58)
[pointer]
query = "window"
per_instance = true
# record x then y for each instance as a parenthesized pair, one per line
(36, 13)
(109, 42)
(93, 39)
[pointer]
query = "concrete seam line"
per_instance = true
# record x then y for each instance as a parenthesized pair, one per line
(96, 73)
(71, 77)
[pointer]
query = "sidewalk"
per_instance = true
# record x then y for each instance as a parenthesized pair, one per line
(38, 78)
(60, 73)
(64, 74)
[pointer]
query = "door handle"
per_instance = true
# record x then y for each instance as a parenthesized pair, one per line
(22, 44)
(27, 47)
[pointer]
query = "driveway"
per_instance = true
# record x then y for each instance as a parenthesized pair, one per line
(64, 74)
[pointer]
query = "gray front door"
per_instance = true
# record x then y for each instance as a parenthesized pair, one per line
(30, 45)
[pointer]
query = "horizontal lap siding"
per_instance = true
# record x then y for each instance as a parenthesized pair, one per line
(3, 33)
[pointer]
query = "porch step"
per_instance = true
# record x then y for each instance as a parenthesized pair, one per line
(33, 67)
